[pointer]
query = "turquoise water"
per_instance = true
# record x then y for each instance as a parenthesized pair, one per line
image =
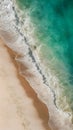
(53, 21)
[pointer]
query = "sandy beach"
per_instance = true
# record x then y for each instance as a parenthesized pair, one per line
(20, 108)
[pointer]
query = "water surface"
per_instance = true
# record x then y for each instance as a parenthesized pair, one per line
(53, 22)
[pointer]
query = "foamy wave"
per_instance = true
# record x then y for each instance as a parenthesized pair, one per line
(15, 34)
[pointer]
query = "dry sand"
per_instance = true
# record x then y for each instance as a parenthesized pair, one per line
(20, 108)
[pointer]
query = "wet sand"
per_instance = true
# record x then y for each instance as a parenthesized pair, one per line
(27, 112)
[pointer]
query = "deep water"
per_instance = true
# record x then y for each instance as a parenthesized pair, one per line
(53, 21)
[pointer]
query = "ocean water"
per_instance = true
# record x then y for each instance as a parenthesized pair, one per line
(53, 22)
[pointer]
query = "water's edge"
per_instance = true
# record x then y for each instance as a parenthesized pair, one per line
(14, 40)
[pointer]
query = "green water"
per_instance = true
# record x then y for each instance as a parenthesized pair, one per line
(53, 21)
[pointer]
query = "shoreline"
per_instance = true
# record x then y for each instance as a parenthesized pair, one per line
(44, 93)
(23, 77)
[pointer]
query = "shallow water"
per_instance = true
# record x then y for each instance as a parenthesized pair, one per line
(53, 22)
